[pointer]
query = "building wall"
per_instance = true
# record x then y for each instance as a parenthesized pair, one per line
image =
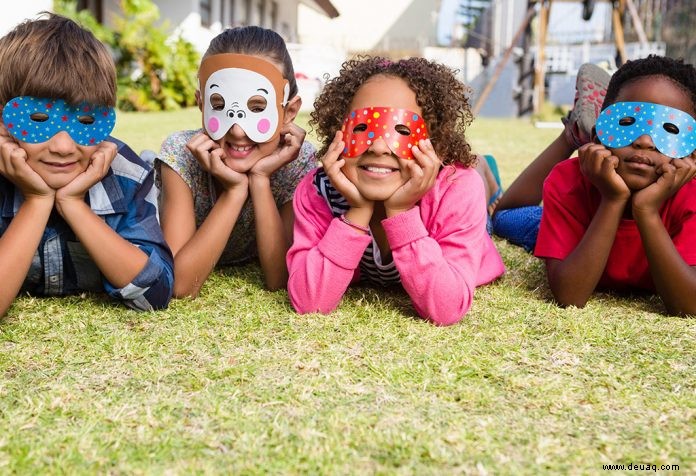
(20, 11)
(365, 25)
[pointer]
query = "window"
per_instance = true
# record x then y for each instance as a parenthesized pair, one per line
(205, 11)
(93, 6)
(262, 12)
(233, 12)
(228, 14)
(274, 15)
(247, 12)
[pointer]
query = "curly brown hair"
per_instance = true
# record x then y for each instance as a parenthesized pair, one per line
(442, 98)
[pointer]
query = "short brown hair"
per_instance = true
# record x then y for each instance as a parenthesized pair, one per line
(54, 57)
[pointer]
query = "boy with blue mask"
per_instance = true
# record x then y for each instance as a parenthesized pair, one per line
(622, 215)
(77, 207)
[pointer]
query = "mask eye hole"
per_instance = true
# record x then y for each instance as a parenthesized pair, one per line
(87, 120)
(671, 128)
(360, 128)
(39, 117)
(217, 102)
(402, 129)
(627, 121)
(257, 104)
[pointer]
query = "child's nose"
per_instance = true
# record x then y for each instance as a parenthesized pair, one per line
(62, 143)
(237, 132)
(644, 142)
(379, 147)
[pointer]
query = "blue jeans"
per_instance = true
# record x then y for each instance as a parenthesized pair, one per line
(519, 226)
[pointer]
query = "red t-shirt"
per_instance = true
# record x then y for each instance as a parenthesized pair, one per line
(570, 202)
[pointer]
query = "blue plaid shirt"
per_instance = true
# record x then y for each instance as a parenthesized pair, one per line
(126, 200)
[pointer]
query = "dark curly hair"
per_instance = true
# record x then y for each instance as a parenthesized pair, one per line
(442, 98)
(682, 74)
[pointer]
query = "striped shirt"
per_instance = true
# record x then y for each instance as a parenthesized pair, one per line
(126, 200)
(371, 268)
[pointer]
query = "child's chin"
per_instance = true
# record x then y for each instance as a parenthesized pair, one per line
(378, 195)
(57, 182)
(636, 185)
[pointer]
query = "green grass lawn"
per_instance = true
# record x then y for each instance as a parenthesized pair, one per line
(236, 382)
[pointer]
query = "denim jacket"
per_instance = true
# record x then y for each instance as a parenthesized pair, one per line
(126, 200)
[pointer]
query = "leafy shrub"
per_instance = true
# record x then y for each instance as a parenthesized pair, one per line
(155, 71)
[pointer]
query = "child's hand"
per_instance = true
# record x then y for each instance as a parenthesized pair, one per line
(14, 167)
(423, 172)
(672, 176)
(332, 163)
(599, 166)
(98, 167)
(212, 159)
(291, 139)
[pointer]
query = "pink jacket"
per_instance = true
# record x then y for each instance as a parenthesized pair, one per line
(440, 247)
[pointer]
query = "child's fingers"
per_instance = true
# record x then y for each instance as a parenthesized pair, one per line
(201, 143)
(418, 175)
(607, 166)
(685, 168)
(95, 169)
(17, 159)
(4, 133)
(289, 148)
(294, 130)
(215, 161)
(334, 167)
(108, 151)
(336, 176)
(334, 151)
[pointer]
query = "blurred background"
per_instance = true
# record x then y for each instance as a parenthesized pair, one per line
(519, 56)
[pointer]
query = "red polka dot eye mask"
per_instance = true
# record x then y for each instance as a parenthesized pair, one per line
(244, 90)
(671, 130)
(35, 120)
(401, 129)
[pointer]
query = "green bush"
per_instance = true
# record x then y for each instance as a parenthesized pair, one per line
(155, 71)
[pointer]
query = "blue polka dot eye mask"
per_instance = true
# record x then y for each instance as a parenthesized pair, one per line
(671, 130)
(35, 120)
(401, 129)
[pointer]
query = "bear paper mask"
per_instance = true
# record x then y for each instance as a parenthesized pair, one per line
(244, 90)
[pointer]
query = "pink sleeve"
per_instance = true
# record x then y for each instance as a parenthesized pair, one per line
(325, 253)
(441, 246)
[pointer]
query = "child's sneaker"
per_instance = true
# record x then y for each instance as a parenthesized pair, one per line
(590, 89)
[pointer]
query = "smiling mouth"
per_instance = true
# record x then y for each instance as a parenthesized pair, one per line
(60, 165)
(238, 151)
(378, 170)
(639, 160)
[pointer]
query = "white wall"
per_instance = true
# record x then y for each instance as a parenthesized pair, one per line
(359, 27)
(20, 11)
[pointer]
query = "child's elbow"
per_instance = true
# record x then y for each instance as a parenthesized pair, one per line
(276, 284)
(568, 299)
(309, 309)
(309, 306)
(183, 291)
(446, 320)
(687, 310)
(161, 304)
(448, 317)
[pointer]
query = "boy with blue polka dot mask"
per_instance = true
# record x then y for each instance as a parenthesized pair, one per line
(622, 215)
(77, 206)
